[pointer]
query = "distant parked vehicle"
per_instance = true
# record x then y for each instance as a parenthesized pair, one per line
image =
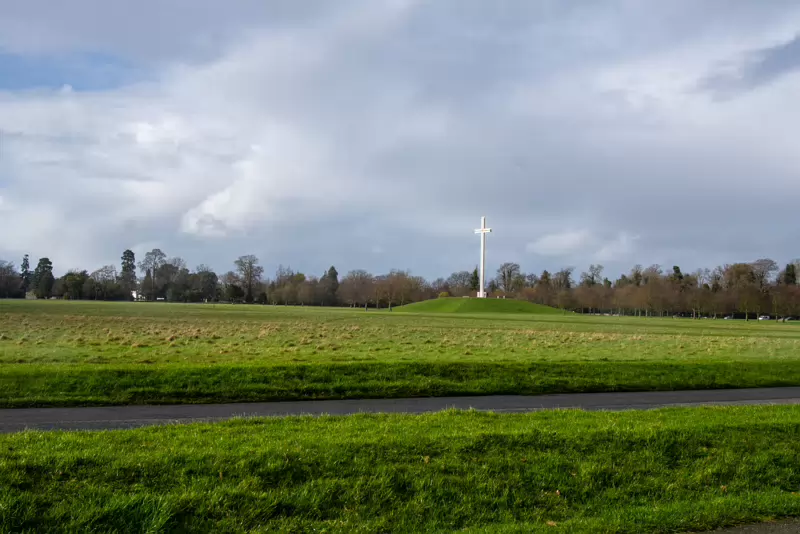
(728, 317)
(764, 318)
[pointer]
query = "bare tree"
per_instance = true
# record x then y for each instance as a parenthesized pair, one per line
(395, 287)
(654, 290)
(103, 277)
(593, 276)
(307, 291)
(531, 280)
(458, 283)
(636, 275)
(11, 282)
(105, 274)
(508, 276)
(420, 289)
(379, 287)
(357, 288)
(250, 272)
(563, 279)
(152, 262)
(440, 285)
(741, 285)
(177, 262)
(763, 271)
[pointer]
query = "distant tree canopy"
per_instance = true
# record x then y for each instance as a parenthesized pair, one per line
(741, 289)
(12, 284)
(43, 279)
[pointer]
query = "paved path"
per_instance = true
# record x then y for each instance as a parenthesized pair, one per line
(92, 418)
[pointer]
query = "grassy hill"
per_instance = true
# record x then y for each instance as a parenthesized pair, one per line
(475, 305)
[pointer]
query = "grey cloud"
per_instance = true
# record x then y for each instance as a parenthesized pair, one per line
(149, 30)
(322, 135)
(756, 68)
(773, 62)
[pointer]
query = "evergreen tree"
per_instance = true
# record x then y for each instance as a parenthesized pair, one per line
(329, 282)
(332, 276)
(127, 276)
(44, 289)
(790, 275)
(25, 274)
(43, 279)
(148, 289)
(475, 280)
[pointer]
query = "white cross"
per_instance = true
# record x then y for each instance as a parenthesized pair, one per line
(482, 231)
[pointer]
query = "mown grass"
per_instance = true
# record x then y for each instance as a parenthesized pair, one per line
(69, 353)
(568, 471)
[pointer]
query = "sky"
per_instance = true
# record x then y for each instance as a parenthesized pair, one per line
(374, 135)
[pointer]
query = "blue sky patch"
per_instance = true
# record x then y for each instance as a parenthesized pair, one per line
(84, 72)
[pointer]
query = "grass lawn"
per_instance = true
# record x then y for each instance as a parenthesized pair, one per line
(477, 306)
(566, 471)
(70, 353)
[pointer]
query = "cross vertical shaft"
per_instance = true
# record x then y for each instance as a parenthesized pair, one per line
(482, 231)
(483, 258)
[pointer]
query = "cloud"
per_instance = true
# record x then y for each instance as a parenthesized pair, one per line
(152, 30)
(617, 249)
(561, 244)
(757, 67)
(584, 244)
(306, 134)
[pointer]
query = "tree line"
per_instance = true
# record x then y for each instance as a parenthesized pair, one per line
(738, 289)
(744, 290)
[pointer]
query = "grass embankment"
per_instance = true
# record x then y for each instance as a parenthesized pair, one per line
(71, 353)
(631, 472)
(478, 306)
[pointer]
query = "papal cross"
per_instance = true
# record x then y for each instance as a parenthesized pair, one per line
(482, 231)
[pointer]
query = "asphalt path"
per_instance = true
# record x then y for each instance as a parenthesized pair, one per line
(116, 417)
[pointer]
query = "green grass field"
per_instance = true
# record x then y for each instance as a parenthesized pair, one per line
(568, 471)
(478, 306)
(80, 353)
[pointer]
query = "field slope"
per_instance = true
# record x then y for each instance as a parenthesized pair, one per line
(477, 306)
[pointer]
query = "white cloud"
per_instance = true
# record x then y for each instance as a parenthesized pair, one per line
(562, 243)
(618, 249)
(309, 139)
(584, 244)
